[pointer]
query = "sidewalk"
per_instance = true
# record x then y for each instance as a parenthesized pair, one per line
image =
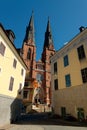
(22, 127)
(5, 127)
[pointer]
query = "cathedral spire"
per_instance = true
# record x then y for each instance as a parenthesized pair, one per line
(48, 26)
(30, 30)
(48, 36)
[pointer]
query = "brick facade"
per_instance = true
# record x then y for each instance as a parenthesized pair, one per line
(39, 71)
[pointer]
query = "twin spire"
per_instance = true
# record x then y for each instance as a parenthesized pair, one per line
(48, 35)
(30, 32)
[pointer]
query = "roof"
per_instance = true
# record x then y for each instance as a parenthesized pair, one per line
(70, 42)
(12, 44)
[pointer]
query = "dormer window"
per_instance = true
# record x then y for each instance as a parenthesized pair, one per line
(11, 35)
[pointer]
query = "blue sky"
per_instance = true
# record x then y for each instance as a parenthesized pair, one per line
(66, 16)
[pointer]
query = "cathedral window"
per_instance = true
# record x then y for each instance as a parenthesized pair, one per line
(29, 54)
(40, 66)
(39, 77)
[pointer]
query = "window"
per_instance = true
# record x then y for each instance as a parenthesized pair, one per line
(56, 84)
(80, 114)
(40, 66)
(2, 49)
(26, 84)
(63, 112)
(0, 69)
(29, 54)
(84, 75)
(20, 87)
(39, 77)
(14, 63)
(66, 62)
(68, 80)
(55, 68)
(81, 52)
(25, 94)
(11, 83)
(22, 72)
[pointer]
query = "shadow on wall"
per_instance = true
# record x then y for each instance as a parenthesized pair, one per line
(10, 108)
(16, 109)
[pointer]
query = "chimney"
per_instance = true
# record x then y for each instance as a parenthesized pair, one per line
(82, 28)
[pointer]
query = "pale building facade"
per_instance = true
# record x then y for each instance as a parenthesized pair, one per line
(69, 77)
(12, 76)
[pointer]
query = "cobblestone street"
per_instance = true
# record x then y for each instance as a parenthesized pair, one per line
(43, 122)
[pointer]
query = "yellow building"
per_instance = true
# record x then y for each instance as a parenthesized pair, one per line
(12, 76)
(69, 77)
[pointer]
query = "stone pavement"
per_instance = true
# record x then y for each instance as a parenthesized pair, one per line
(42, 127)
(43, 122)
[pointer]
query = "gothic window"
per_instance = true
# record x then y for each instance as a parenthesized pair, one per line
(40, 66)
(39, 77)
(29, 54)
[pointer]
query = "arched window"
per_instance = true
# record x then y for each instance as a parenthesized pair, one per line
(29, 54)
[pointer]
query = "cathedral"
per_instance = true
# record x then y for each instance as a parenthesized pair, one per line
(37, 88)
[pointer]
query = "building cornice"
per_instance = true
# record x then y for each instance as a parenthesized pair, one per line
(77, 40)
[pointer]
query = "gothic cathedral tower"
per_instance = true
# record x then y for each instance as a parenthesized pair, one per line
(39, 71)
(48, 51)
(29, 48)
